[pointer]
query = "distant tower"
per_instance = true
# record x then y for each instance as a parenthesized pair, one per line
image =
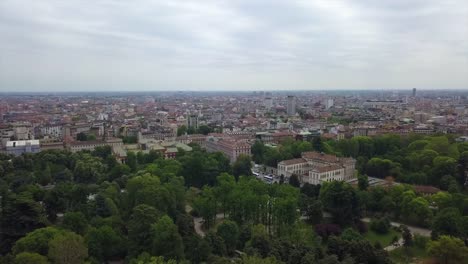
(414, 92)
(192, 121)
(268, 103)
(291, 108)
(329, 103)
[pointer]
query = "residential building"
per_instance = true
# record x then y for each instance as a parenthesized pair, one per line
(19, 147)
(230, 147)
(315, 168)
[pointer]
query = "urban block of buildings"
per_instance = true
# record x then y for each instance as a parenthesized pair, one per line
(316, 168)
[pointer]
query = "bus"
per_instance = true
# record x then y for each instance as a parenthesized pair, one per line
(268, 178)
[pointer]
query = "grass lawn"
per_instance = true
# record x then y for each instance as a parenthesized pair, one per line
(383, 239)
(412, 254)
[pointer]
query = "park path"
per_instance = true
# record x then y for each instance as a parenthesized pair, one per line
(198, 221)
(413, 229)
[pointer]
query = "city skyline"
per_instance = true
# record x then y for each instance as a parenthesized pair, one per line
(55, 46)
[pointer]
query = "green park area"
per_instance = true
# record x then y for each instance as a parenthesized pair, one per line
(383, 239)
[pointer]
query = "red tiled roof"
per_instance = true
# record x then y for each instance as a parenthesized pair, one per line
(293, 161)
(319, 156)
(327, 168)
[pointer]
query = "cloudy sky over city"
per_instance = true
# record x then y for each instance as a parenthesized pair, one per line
(232, 45)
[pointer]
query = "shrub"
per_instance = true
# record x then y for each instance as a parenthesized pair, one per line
(381, 225)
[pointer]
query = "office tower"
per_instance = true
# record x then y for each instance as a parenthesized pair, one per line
(192, 121)
(268, 103)
(329, 103)
(291, 107)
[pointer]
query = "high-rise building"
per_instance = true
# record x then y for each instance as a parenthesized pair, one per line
(414, 92)
(192, 121)
(268, 103)
(329, 103)
(291, 107)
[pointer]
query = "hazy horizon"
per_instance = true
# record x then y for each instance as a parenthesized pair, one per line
(60, 46)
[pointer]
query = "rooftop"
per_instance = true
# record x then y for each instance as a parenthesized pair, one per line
(22, 143)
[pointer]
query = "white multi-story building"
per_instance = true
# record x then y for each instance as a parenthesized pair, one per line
(325, 174)
(329, 103)
(315, 167)
(22, 146)
(53, 131)
(91, 145)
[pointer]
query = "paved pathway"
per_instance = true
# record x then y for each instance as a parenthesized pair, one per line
(198, 221)
(413, 229)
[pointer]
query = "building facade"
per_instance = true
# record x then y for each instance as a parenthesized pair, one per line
(315, 168)
(23, 146)
(291, 106)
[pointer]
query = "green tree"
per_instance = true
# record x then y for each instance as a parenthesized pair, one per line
(76, 222)
(242, 166)
(313, 210)
(272, 156)
(206, 205)
(19, 216)
(350, 234)
(256, 260)
(260, 240)
(44, 176)
(104, 243)
(318, 144)
(197, 250)
(448, 250)
(204, 129)
(216, 243)
(380, 225)
(81, 136)
(229, 232)
(68, 248)
(132, 161)
(340, 199)
(381, 168)
(447, 222)
(181, 130)
(37, 241)
(363, 182)
(166, 239)
(407, 236)
(139, 228)
(30, 258)
(258, 151)
(294, 181)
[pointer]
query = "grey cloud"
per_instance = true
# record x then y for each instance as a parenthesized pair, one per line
(232, 44)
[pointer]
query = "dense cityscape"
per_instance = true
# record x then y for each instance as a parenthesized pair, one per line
(253, 177)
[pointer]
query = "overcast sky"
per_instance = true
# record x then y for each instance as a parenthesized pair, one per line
(69, 45)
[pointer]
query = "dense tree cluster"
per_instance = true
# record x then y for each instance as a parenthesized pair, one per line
(415, 159)
(288, 149)
(63, 207)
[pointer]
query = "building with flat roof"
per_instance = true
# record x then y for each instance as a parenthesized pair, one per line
(22, 146)
(291, 106)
